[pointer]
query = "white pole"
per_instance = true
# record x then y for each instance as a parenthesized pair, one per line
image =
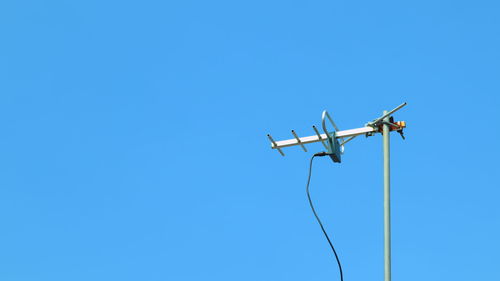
(387, 201)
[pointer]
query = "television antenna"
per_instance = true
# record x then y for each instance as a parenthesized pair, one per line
(335, 140)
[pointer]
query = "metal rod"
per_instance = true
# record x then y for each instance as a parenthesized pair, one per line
(347, 140)
(298, 140)
(275, 145)
(387, 198)
(319, 136)
(331, 121)
(386, 114)
(323, 123)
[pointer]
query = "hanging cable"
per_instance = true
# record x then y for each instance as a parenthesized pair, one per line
(316, 215)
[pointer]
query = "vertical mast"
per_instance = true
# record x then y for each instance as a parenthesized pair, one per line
(387, 200)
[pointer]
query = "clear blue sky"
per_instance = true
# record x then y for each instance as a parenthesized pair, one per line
(133, 139)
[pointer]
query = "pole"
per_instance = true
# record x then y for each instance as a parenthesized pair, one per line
(387, 201)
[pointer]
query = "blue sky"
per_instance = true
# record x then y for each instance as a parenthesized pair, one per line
(133, 139)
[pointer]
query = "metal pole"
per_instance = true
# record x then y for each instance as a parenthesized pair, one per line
(387, 201)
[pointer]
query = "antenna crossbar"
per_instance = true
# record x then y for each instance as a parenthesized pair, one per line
(316, 138)
(329, 137)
